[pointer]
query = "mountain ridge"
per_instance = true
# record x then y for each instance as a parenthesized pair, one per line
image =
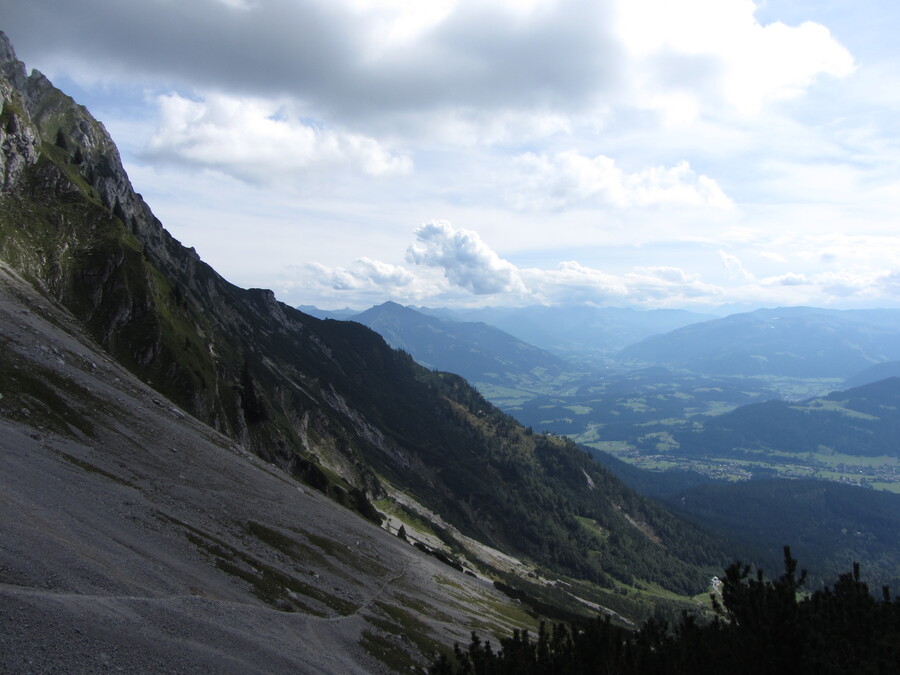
(477, 351)
(789, 341)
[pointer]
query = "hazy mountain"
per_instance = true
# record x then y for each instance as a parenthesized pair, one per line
(339, 314)
(477, 351)
(789, 341)
(874, 373)
(577, 331)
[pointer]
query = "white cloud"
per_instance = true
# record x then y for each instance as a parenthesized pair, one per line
(704, 49)
(569, 179)
(364, 274)
(464, 258)
(734, 266)
(789, 279)
(667, 117)
(258, 140)
(455, 266)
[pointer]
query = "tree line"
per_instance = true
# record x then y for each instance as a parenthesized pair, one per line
(760, 626)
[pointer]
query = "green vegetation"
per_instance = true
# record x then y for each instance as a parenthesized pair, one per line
(43, 397)
(761, 626)
(832, 524)
(282, 591)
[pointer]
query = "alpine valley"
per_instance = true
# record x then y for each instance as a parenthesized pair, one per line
(198, 478)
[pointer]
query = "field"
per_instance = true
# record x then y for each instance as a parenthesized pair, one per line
(636, 417)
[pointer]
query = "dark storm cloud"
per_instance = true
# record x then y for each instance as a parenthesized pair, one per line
(328, 54)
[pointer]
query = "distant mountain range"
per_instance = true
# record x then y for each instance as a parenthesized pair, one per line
(788, 341)
(338, 314)
(582, 335)
(581, 332)
(797, 342)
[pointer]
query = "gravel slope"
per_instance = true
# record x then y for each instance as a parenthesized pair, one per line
(134, 538)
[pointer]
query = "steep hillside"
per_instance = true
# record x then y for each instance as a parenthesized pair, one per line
(830, 526)
(789, 341)
(477, 351)
(134, 538)
(327, 401)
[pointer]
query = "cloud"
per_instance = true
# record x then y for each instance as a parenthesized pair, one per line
(259, 140)
(684, 52)
(360, 59)
(357, 116)
(571, 281)
(734, 266)
(364, 274)
(464, 258)
(669, 285)
(468, 263)
(456, 266)
(789, 279)
(571, 180)
(364, 278)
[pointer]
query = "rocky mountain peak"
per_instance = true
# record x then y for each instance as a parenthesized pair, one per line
(11, 68)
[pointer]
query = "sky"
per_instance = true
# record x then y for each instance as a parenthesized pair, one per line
(711, 155)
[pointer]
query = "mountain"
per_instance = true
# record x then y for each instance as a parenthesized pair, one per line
(328, 403)
(860, 422)
(136, 538)
(581, 332)
(874, 373)
(788, 341)
(477, 351)
(339, 314)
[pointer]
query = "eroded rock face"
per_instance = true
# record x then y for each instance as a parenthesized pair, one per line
(19, 140)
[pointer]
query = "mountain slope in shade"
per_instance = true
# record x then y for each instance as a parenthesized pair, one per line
(477, 351)
(830, 526)
(789, 341)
